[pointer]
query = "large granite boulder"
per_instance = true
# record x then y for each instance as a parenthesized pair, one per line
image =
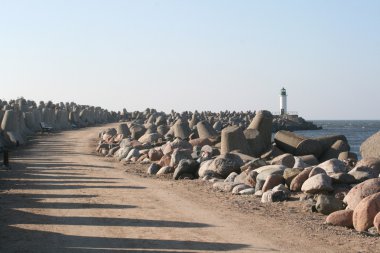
(366, 168)
(225, 164)
(319, 183)
(333, 166)
(366, 211)
(371, 146)
(361, 191)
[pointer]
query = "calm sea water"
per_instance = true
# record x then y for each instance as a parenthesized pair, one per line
(356, 131)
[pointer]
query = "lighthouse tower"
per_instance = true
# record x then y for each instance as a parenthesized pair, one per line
(283, 104)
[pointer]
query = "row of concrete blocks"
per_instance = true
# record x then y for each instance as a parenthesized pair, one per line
(17, 125)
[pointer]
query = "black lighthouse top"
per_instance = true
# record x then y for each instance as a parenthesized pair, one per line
(283, 91)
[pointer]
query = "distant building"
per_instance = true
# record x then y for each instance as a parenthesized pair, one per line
(283, 102)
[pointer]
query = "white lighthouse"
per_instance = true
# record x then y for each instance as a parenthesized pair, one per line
(283, 105)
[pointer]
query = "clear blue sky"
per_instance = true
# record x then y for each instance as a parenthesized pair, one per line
(188, 55)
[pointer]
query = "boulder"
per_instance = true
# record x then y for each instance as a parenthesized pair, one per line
(284, 159)
(342, 178)
(238, 188)
(133, 153)
(178, 155)
(165, 161)
(155, 155)
(371, 146)
(290, 174)
(225, 164)
(153, 169)
(366, 168)
(150, 138)
(247, 177)
(316, 171)
(186, 167)
(376, 222)
(299, 163)
(165, 170)
(272, 181)
(234, 139)
(231, 177)
(224, 186)
(342, 218)
(333, 166)
(204, 169)
(317, 184)
(366, 211)
(273, 196)
(253, 164)
(310, 160)
(248, 191)
(361, 191)
(327, 204)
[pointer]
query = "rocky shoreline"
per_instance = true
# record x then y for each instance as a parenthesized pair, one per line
(237, 156)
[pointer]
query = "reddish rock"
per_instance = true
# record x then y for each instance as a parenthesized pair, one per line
(298, 181)
(360, 191)
(365, 212)
(165, 160)
(272, 181)
(342, 218)
(155, 155)
(376, 222)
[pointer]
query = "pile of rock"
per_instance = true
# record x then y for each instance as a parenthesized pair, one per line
(242, 159)
(21, 118)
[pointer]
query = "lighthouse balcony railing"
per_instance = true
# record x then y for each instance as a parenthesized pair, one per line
(290, 113)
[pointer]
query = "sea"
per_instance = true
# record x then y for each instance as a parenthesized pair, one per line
(356, 131)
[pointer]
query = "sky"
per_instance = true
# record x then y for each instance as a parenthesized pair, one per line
(195, 55)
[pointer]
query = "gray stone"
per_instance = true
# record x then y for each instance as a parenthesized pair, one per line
(153, 169)
(366, 168)
(248, 191)
(225, 164)
(237, 189)
(224, 186)
(186, 166)
(327, 204)
(178, 155)
(273, 196)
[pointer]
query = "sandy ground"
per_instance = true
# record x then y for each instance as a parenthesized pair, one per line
(60, 196)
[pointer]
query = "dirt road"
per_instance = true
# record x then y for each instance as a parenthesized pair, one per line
(60, 197)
